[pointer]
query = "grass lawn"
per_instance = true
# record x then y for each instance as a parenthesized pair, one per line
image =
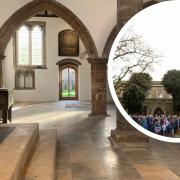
(70, 94)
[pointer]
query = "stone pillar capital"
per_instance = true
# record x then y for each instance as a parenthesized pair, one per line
(97, 60)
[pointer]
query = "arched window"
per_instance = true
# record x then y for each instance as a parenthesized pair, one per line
(23, 46)
(30, 45)
(68, 86)
(160, 94)
(37, 45)
(149, 94)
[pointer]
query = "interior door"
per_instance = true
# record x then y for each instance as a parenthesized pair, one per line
(68, 84)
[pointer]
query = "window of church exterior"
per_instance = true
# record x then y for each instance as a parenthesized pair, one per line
(29, 45)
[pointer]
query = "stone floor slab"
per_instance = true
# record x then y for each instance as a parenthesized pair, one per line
(42, 164)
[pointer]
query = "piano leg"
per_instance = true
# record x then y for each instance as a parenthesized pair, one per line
(0, 115)
(4, 116)
(10, 113)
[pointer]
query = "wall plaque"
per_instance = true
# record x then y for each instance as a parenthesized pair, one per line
(68, 43)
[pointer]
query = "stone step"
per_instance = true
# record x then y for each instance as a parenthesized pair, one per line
(42, 164)
(16, 150)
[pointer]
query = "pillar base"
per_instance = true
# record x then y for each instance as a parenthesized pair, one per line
(104, 115)
(125, 136)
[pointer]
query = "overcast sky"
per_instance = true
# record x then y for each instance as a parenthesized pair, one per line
(159, 25)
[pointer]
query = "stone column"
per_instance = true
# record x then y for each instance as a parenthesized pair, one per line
(126, 9)
(2, 57)
(124, 132)
(98, 86)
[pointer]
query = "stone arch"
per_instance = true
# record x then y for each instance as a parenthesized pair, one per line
(35, 6)
(109, 42)
(114, 32)
(150, 3)
(158, 108)
(69, 61)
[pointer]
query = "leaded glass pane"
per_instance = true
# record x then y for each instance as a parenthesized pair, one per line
(65, 83)
(23, 46)
(72, 82)
(37, 45)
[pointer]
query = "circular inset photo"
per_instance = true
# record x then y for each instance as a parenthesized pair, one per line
(144, 71)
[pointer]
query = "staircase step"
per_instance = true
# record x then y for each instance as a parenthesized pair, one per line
(42, 164)
(16, 150)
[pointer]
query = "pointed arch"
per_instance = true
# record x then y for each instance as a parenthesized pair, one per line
(109, 42)
(150, 3)
(114, 32)
(158, 111)
(35, 6)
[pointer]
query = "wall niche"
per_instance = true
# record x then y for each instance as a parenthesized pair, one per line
(24, 79)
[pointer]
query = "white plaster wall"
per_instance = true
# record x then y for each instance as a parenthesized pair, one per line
(46, 80)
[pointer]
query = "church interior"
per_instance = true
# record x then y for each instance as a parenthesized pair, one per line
(58, 119)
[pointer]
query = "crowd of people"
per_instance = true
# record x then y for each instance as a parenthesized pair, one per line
(159, 124)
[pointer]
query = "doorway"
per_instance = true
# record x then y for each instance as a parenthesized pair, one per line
(68, 86)
(158, 111)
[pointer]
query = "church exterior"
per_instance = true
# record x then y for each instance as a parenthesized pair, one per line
(158, 101)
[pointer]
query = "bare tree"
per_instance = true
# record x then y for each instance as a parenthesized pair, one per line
(133, 55)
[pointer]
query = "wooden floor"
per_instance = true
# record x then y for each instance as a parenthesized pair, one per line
(85, 153)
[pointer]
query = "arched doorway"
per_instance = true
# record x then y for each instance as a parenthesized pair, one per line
(68, 79)
(158, 111)
(68, 83)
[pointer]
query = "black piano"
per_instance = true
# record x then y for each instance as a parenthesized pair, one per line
(6, 102)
